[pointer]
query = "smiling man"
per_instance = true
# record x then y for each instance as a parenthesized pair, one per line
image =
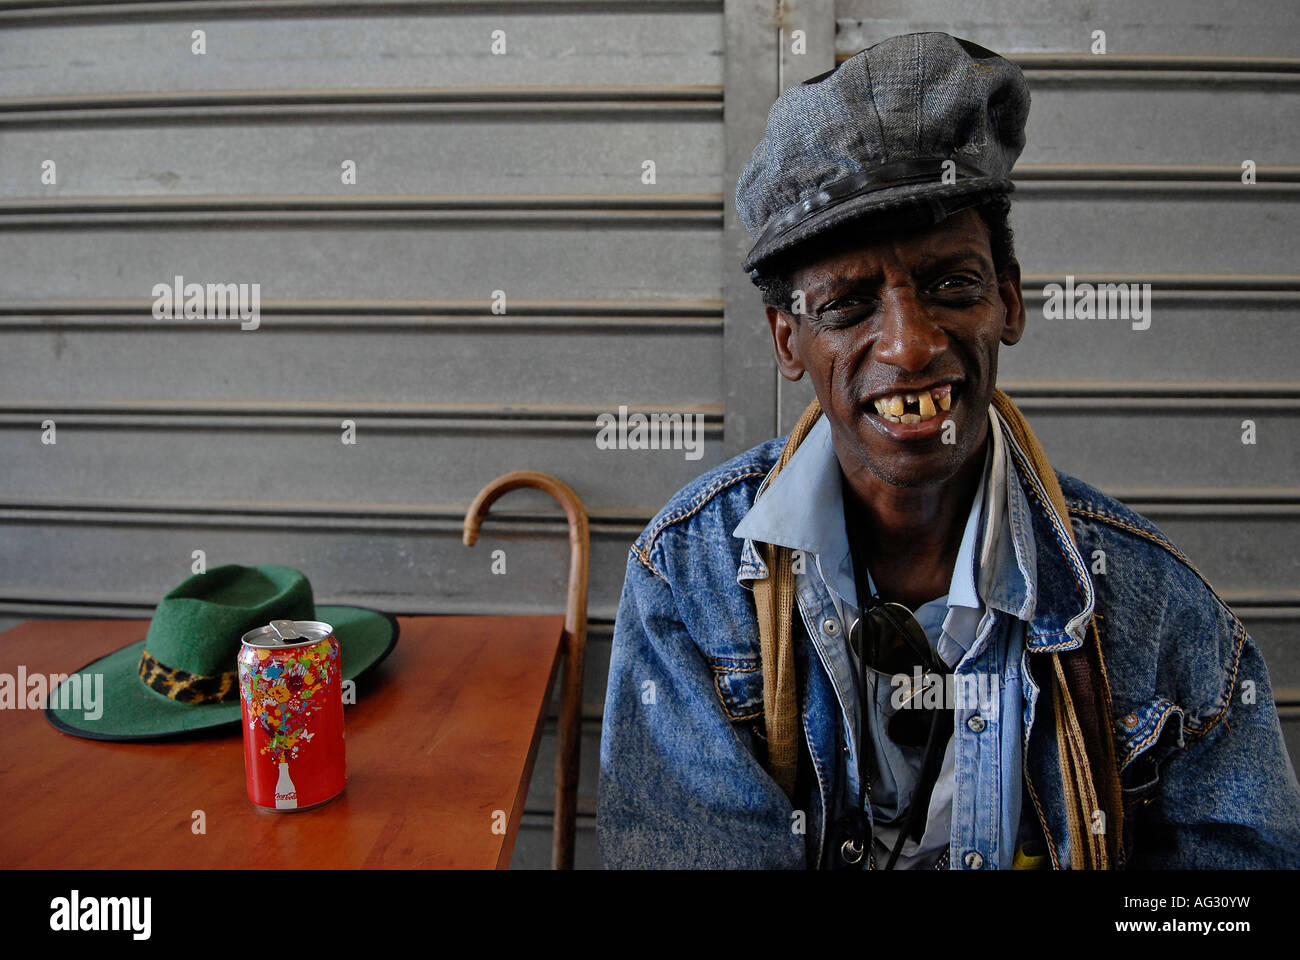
(878, 642)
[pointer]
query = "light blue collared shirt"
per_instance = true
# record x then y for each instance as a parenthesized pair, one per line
(978, 626)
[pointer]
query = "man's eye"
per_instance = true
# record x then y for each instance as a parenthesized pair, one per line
(845, 305)
(957, 284)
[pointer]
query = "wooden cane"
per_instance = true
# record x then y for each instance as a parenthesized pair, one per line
(575, 641)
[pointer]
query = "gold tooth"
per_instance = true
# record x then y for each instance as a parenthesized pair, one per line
(926, 403)
(945, 401)
(896, 405)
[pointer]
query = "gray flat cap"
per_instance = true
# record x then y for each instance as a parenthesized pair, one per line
(873, 135)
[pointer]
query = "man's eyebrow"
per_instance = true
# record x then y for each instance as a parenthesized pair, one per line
(847, 280)
(953, 258)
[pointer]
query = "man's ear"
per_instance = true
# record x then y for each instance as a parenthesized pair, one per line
(1013, 328)
(785, 341)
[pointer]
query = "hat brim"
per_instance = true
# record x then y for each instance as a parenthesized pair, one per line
(129, 710)
(952, 197)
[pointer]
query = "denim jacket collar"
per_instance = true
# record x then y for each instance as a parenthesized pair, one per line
(1066, 598)
(801, 508)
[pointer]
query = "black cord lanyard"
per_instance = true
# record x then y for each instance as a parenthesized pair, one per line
(857, 822)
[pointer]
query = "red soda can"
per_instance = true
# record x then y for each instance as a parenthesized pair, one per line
(291, 698)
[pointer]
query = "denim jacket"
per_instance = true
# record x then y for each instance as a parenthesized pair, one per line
(1207, 781)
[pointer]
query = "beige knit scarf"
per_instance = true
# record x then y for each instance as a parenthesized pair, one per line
(1081, 702)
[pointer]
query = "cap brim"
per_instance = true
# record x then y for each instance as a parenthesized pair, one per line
(951, 196)
(129, 710)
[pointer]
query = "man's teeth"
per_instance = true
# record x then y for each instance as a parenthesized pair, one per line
(915, 407)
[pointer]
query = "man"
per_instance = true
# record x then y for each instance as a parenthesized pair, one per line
(878, 643)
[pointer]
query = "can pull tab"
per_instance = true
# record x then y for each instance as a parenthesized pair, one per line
(285, 631)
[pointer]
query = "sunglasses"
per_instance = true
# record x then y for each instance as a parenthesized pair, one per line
(891, 643)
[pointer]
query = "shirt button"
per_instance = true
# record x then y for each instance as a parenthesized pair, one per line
(831, 627)
(976, 723)
(973, 861)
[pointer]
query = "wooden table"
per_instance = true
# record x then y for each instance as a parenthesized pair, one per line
(443, 734)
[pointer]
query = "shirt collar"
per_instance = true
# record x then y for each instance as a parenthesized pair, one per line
(802, 507)
(961, 591)
(1009, 557)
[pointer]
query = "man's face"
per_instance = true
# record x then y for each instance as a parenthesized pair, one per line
(894, 330)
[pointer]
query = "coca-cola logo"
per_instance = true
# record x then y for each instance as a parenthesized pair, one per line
(286, 796)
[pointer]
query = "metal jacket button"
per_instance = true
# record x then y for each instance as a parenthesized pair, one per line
(976, 723)
(831, 627)
(973, 860)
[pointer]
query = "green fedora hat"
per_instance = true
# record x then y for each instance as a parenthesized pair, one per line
(182, 677)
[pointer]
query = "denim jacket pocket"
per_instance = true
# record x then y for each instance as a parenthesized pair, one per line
(1146, 738)
(739, 683)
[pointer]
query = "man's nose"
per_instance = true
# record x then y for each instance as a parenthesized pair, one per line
(909, 338)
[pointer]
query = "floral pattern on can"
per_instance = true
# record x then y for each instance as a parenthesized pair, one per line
(283, 692)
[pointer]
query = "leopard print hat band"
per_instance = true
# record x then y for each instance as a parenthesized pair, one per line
(193, 688)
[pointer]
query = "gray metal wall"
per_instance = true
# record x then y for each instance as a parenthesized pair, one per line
(476, 172)
(522, 172)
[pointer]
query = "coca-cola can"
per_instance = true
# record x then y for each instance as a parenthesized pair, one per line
(291, 695)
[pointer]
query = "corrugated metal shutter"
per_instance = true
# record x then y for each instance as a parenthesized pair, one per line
(475, 172)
